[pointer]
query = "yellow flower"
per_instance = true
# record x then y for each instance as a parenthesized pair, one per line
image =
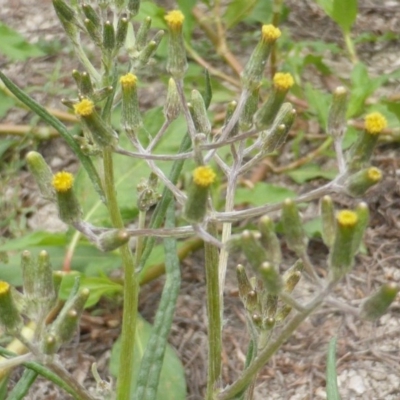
(347, 218)
(128, 81)
(4, 287)
(175, 19)
(374, 174)
(203, 176)
(270, 33)
(84, 108)
(375, 123)
(63, 181)
(283, 81)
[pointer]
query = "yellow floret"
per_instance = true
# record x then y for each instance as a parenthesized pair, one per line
(128, 81)
(175, 19)
(4, 287)
(62, 181)
(375, 123)
(283, 81)
(270, 33)
(203, 176)
(374, 174)
(347, 218)
(84, 108)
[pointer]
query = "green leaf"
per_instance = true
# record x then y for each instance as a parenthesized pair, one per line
(332, 391)
(172, 385)
(15, 47)
(309, 172)
(98, 286)
(6, 102)
(5, 144)
(313, 228)
(262, 194)
(344, 13)
(236, 11)
(262, 12)
(318, 101)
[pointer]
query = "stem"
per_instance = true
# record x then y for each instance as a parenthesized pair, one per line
(350, 48)
(214, 314)
(131, 288)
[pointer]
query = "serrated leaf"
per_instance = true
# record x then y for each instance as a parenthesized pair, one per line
(172, 385)
(262, 194)
(15, 47)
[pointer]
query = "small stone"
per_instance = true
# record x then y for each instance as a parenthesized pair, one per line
(356, 384)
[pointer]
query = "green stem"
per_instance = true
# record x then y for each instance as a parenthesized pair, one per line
(140, 239)
(214, 314)
(350, 47)
(21, 389)
(131, 287)
(264, 356)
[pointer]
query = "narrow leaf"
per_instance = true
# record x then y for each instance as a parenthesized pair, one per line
(332, 390)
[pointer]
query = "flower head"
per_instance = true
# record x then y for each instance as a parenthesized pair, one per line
(4, 287)
(270, 33)
(347, 218)
(375, 123)
(175, 19)
(283, 81)
(84, 108)
(128, 81)
(63, 181)
(374, 174)
(203, 176)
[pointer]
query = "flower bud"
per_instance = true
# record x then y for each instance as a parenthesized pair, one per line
(91, 14)
(292, 276)
(229, 112)
(108, 36)
(282, 313)
(358, 183)
(64, 11)
(327, 211)
(176, 63)
(341, 256)
(42, 174)
(102, 93)
(102, 134)
(141, 36)
(377, 304)
(257, 320)
(277, 135)
(244, 284)
(172, 106)
(271, 278)
(337, 113)
(122, 31)
(254, 69)
(271, 305)
(109, 241)
(199, 113)
(68, 206)
(10, 319)
(131, 118)
(361, 151)
(293, 227)
(268, 323)
(149, 50)
(196, 203)
(147, 193)
(362, 212)
(66, 323)
(93, 31)
(249, 109)
(254, 252)
(269, 240)
(86, 86)
(266, 115)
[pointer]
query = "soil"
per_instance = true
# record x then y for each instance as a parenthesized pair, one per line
(368, 354)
